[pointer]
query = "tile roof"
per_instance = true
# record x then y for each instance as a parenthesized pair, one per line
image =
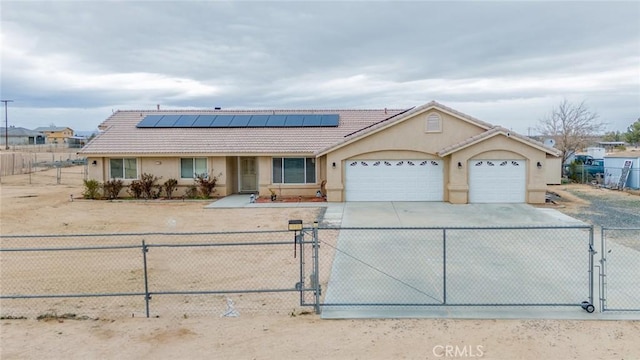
(120, 135)
(496, 130)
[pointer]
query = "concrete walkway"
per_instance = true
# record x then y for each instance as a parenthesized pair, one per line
(244, 201)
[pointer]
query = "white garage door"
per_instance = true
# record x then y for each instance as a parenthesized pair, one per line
(394, 180)
(497, 181)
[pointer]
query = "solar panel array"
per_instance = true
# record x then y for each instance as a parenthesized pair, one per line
(238, 121)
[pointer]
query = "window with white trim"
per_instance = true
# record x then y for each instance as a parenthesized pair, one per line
(191, 167)
(294, 170)
(434, 123)
(126, 168)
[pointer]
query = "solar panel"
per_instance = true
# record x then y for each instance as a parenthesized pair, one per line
(312, 120)
(167, 121)
(149, 121)
(240, 121)
(276, 121)
(330, 120)
(204, 121)
(258, 120)
(225, 121)
(185, 121)
(222, 121)
(294, 120)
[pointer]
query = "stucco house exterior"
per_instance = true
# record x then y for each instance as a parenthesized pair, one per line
(56, 134)
(426, 153)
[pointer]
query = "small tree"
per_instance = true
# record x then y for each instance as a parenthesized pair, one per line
(612, 136)
(170, 186)
(571, 125)
(112, 188)
(91, 189)
(632, 136)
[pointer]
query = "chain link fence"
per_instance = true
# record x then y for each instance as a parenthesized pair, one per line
(224, 274)
(149, 274)
(620, 269)
(526, 266)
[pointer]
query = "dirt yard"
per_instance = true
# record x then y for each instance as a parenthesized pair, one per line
(38, 205)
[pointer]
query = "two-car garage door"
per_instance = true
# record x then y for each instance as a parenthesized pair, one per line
(394, 180)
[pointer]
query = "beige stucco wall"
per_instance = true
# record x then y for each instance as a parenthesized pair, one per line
(166, 168)
(404, 140)
(409, 140)
(553, 170)
(458, 185)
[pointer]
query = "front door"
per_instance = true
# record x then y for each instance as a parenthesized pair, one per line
(248, 174)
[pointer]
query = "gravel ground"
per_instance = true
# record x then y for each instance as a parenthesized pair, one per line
(609, 212)
(612, 212)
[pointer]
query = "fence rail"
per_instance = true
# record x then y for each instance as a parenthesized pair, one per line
(150, 274)
(221, 273)
(497, 266)
(620, 269)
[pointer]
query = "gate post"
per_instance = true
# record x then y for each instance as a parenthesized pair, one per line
(316, 268)
(591, 255)
(147, 297)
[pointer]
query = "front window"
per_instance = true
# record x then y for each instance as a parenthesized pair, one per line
(191, 167)
(123, 168)
(294, 170)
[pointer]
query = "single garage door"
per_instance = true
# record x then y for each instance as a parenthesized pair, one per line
(497, 181)
(394, 180)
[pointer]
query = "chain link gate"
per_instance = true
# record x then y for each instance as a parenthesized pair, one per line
(620, 269)
(430, 267)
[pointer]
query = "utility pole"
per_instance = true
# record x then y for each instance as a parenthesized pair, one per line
(6, 124)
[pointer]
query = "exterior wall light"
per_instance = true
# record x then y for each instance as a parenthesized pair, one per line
(539, 165)
(333, 165)
(459, 165)
(94, 162)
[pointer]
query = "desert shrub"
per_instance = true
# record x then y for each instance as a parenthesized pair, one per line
(170, 186)
(112, 188)
(206, 184)
(91, 189)
(191, 192)
(149, 188)
(135, 189)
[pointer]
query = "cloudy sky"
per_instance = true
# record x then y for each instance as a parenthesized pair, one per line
(71, 63)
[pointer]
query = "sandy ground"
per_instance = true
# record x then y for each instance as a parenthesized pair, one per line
(40, 206)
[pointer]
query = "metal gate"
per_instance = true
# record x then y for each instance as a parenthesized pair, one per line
(427, 267)
(620, 269)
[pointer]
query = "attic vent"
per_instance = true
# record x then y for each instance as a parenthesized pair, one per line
(434, 123)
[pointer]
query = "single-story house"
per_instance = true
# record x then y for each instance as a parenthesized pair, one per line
(20, 136)
(425, 153)
(622, 167)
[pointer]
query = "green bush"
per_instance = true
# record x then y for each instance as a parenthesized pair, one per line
(170, 186)
(112, 188)
(91, 189)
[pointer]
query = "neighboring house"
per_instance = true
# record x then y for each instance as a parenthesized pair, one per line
(426, 153)
(614, 164)
(56, 134)
(21, 136)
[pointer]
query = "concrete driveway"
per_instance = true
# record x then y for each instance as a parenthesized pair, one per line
(377, 273)
(436, 214)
